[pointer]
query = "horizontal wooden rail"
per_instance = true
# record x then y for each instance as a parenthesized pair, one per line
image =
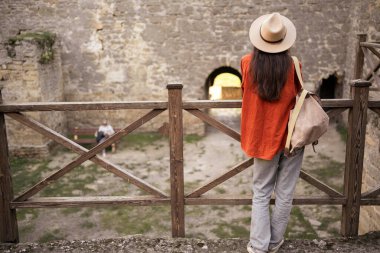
(105, 201)
(90, 201)
(81, 106)
(247, 200)
(195, 104)
(370, 44)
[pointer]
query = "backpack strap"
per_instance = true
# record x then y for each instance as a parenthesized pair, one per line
(297, 108)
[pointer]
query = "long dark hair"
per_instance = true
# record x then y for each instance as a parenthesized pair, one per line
(269, 71)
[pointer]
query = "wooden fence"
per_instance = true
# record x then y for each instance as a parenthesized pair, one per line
(350, 199)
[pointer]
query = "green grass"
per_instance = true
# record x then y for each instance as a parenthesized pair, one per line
(342, 130)
(51, 236)
(328, 170)
(139, 140)
(26, 172)
(230, 230)
(77, 179)
(297, 220)
(87, 224)
(137, 220)
(192, 138)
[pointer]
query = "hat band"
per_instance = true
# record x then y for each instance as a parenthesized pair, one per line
(273, 41)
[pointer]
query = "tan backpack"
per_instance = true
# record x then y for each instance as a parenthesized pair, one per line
(308, 121)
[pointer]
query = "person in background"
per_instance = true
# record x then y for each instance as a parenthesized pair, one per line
(105, 130)
(270, 87)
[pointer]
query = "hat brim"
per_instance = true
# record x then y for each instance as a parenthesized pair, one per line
(276, 47)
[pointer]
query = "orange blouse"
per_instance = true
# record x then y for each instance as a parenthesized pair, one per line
(263, 123)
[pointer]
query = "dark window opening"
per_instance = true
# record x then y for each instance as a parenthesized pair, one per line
(328, 87)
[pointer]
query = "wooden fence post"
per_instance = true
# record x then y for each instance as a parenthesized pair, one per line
(176, 160)
(357, 121)
(359, 58)
(8, 220)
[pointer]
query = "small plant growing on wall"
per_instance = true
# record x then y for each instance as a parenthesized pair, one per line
(44, 40)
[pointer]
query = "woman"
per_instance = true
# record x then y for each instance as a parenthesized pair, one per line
(270, 87)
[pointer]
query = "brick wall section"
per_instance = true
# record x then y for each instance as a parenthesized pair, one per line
(24, 79)
(129, 50)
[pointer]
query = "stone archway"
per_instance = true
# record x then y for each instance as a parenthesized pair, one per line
(224, 83)
(215, 73)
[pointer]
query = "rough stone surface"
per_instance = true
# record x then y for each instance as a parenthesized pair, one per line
(129, 50)
(24, 79)
(139, 244)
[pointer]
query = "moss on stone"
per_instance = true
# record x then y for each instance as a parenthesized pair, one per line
(44, 40)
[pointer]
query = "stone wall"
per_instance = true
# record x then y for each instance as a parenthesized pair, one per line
(365, 18)
(129, 50)
(24, 79)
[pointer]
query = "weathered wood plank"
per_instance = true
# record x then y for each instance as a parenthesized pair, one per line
(374, 52)
(354, 158)
(319, 185)
(105, 201)
(88, 155)
(371, 193)
(370, 201)
(247, 200)
(335, 112)
(73, 146)
(81, 106)
(372, 65)
(176, 160)
(207, 104)
(369, 75)
(220, 179)
(373, 104)
(217, 124)
(370, 44)
(8, 219)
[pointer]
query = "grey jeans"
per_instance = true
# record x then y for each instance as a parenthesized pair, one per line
(279, 174)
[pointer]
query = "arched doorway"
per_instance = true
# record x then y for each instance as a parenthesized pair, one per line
(226, 78)
(224, 83)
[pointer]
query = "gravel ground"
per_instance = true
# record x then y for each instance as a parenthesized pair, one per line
(369, 243)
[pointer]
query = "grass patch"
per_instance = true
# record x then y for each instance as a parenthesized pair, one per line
(139, 140)
(229, 230)
(342, 130)
(137, 220)
(192, 138)
(297, 221)
(31, 214)
(87, 224)
(51, 236)
(75, 183)
(328, 171)
(26, 172)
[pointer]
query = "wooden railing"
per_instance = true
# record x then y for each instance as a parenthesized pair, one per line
(350, 199)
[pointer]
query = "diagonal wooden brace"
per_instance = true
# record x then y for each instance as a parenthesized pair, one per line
(220, 179)
(85, 153)
(213, 122)
(320, 185)
(371, 193)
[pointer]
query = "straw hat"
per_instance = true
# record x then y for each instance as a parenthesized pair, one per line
(272, 33)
